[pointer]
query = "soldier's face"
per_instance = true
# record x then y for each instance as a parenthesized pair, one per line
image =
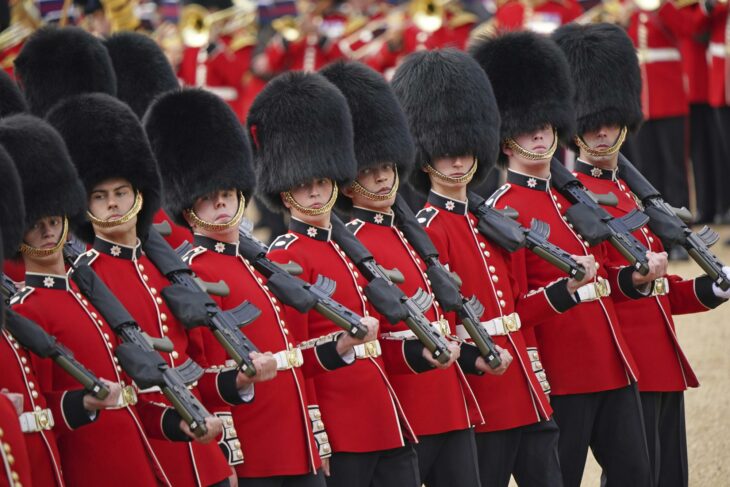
(313, 194)
(452, 166)
(216, 207)
(378, 179)
(110, 200)
(538, 141)
(44, 234)
(602, 139)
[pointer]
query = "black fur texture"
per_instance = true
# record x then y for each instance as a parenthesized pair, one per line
(450, 108)
(200, 147)
(12, 206)
(11, 99)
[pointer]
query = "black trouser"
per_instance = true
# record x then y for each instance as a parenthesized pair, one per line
(386, 468)
(611, 424)
(723, 161)
(448, 459)
(660, 151)
(705, 150)
(529, 453)
(308, 480)
(667, 437)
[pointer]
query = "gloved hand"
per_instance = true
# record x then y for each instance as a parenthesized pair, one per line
(716, 289)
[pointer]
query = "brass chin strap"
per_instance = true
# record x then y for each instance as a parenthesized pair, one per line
(603, 152)
(360, 189)
(218, 227)
(313, 211)
(448, 179)
(133, 211)
(534, 156)
(26, 249)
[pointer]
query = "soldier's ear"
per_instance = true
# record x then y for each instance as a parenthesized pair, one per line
(287, 205)
(346, 189)
(507, 151)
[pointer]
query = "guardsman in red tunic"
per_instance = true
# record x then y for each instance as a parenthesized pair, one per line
(123, 183)
(646, 323)
(209, 177)
(53, 194)
(385, 151)
(302, 135)
(457, 136)
(593, 391)
(14, 462)
(540, 16)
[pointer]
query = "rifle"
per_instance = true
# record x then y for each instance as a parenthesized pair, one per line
(667, 223)
(34, 338)
(194, 307)
(445, 285)
(137, 354)
(298, 293)
(387, 298)
(500, 227)
(596, 224)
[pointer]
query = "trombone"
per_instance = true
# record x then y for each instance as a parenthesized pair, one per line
(197, 25)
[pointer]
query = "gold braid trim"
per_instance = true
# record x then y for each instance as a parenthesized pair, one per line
(448, 179)
(218, 227)
(534, 156)
(26, 249)
(133, 211)
(358, 188)
(604, 152)
(313, 211)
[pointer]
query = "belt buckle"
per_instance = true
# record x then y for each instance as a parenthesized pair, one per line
(442, 326)
(659, 287)
(129, 397)
(370, 349)
(43, 420)
(601, 288)
(292, 358)
(510, 323)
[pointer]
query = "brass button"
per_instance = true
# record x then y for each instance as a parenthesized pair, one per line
(140, 267)
(492, 268)
(163, 317)
(495, 278)
(34, 394)
(145, 277)
(499, 293)
(158, 300)
(502, 303)
(153, 291)
(165, 328)
(174, 354)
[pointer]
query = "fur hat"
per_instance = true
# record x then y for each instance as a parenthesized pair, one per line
(450, 108)
(105, 140)
(51, 185)
(12, 206)
(142, 70)
(607, 77)
(531, 81)
(56, 63)
(11, 99)
(200, 147)
(300, 129)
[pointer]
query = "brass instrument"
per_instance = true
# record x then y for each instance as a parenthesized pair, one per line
(24, 20)
(121, 14)
(197, 25)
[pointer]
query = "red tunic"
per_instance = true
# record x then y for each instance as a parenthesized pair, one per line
(647, 323)
(136, 282)
(515, 398)
(14, 462)
(583, 350)
(275, 428)
(516, 15)
(719, 89)
(359, 407)
(86, 456)
(694, 54)
(448, 391)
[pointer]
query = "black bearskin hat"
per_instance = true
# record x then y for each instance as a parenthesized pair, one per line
(12, 206)
(300, 129)
(450, 108)
(11, 99)
(106, 140)
(143, 72)
(607, 76)
(51, 185)
(531, 81)
(56, 63)
(200, 147)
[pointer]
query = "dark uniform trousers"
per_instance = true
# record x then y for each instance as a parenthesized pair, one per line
(612, 425)
(706, 152)
(530, 453)
(723, 163)
(666, 437)
(308, 480)
(397, 467)
(448, 459)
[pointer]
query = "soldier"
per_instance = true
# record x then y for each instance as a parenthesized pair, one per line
(123, 183)
(303, 148)
(53, 197)
(457, 134)
(595, 390)
(384, 151)
(540, 16)
(205, 157)
(646, 323)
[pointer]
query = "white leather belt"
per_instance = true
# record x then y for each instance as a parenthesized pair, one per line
(718, 49)
(128, 397)
(289, 359)
(441, 326)
(35, 421)
(594, 290)
(660, 287)
(501, 325)
(369, 349)
(657, 55)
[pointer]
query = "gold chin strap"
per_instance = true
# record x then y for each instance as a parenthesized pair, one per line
(603, 152)
(313, 211)
(448, 179)
(218, 227)
(360, 189)
(26, 249)
(534, 156)
(133, 211)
